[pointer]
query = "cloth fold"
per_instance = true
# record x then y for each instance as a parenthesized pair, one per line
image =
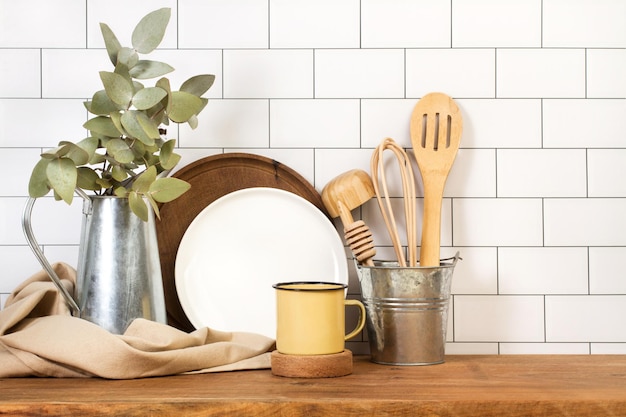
(39, 337)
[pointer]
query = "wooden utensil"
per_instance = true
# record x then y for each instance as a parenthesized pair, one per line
(340, 196)
(384, 202)
(436, 126)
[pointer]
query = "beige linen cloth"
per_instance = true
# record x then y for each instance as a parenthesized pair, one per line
(39, 337)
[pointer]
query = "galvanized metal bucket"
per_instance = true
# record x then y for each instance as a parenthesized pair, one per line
(119, 271)
(407, 311)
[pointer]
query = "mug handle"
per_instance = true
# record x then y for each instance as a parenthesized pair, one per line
(359, 326)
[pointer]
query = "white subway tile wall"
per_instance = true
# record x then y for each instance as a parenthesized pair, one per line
(536, 200)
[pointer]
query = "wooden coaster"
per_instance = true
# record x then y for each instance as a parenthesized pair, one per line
(312, 366)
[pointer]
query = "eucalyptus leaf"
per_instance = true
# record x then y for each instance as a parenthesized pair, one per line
(118, 173)
(167, 189)
(146, 69)
(38, 183)
(102, 125)
(101, 104)
(120, 151)
(87, 179)
(62, 175)
(150, 30)
(120, 192)
(198, 84)
(116, 118)
(148, 126)
(57, 152)
(184, 105)
(89, 145)
(128, 57)
(111, 43)
(138, 206)
(119, 90)
(193, 121)
(76, 153)
(144, 180)
(154, 204)
(132, 125)
(148, 97)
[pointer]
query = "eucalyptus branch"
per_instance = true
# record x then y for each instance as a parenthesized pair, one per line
(127, 127)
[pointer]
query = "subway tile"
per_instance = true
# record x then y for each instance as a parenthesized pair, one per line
(493, 23)
(55, 120)
(542, 271)
(18, 165)
(359, 73)
(599, 123)
(372, 216)
(21, 73)
(3, 300)
(62, 253)
(297, 24)
(497, 222)
(223, 24)
(538, 73)
(18, 265)
(316, 123)
(190, 155)
(386, 118)
(405, 23)
(605, 270)
(605, 73)
(498, 318)
(122, 24)
(189, 63)
(83, 66)
(544, 348)
(473, 174)
(606, 172)
(541, 173)
(585, 222)
(276, 73)
(501, 123)
(457, 348)
(54, 222)
(476, 272)
(80, 75)
(329, 163)
(229, 123)
(11, 209)
(584, 23)
(460, 73)
(591, 318)
(40, 24)
(608, 348)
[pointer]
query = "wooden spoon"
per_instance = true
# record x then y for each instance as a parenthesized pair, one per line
(343, 194)
(436, 126)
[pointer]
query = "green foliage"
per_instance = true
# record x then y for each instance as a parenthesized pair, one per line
(125, 154)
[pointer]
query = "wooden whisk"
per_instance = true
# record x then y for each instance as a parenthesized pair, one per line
(408, 188)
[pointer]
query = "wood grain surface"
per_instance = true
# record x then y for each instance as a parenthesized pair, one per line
(506, 385)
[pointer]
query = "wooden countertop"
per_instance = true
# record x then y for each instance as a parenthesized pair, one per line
(506, 385)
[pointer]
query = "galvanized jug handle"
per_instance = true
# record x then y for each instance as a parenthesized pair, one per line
(32, 242)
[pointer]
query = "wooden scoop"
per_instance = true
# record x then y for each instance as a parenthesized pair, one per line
(436, 126)
(342, 195)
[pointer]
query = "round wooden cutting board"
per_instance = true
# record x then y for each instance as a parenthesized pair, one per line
(211, 178)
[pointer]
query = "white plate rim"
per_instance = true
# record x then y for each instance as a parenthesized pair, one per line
(189, 286)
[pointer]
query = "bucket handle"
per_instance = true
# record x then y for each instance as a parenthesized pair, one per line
(32, 242)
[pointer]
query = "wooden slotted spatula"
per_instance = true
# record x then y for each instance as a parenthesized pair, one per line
(436, 126)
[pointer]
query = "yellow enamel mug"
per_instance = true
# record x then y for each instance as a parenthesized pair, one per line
(311, 318)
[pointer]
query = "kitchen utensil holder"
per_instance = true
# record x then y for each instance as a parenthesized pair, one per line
(407, 311)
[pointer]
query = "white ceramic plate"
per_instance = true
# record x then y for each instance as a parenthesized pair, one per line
(243, 243)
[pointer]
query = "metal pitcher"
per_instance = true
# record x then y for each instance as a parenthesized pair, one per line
(119, 272)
